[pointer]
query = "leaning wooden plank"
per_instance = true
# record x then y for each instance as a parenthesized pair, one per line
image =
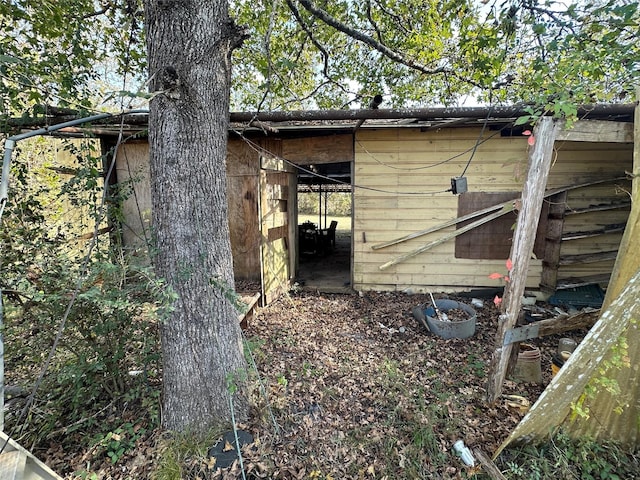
(460, 231)
(553, 407)
(540, 157)
(588, 258)
(489, 467)
(448, 223)
(32, 468)
(490, 209)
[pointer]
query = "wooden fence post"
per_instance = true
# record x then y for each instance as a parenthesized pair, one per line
(540, 159)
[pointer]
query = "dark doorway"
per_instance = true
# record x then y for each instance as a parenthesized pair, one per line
(324, 228)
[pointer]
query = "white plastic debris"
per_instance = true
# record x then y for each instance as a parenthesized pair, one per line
(464, 453)
(388, 329)
(476, 302)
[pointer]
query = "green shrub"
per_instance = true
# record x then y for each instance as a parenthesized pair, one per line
(86, 297)
(563, 457)
(338, 203)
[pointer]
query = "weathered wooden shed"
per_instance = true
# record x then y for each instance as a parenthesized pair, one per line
(400, 165)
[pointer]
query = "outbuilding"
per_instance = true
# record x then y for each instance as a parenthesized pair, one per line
(434, 192)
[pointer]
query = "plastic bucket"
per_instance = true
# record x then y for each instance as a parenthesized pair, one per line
(566, 345)
(528, 367)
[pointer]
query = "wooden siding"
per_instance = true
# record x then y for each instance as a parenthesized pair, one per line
(320, 149)
(276, 183)
(132, 166)
(397, 169)
(132, 171)
(243, 170)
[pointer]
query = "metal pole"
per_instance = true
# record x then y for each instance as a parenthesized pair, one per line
(320, 207)
(326, 202)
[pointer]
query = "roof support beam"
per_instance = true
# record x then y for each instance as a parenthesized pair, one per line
(420, 113)
(597, 131)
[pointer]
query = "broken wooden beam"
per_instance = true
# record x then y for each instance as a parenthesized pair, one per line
(612, 228)
(573, 282)
(250, 302)
(553, 326)
(565, 323)
(588, 258)
(601, 207)
(487, 464)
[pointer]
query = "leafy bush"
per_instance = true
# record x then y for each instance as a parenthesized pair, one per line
(85, 297)
(338, 203)
(562, 457)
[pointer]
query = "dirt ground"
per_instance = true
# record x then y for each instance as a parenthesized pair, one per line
(352, 387)
(358, 389)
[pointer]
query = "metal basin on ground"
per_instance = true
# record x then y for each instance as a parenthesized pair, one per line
(455, 328)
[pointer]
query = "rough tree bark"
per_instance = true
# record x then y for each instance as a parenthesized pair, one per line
(189, 44)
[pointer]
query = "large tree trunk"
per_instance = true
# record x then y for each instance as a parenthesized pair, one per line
(189, 45)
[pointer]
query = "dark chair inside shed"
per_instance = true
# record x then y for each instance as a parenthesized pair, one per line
(328, 236)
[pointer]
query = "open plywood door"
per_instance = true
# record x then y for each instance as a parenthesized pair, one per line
(277, 200)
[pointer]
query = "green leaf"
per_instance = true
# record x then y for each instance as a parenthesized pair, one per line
(9, 59)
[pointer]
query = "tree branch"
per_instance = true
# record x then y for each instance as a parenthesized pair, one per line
(325, 55)
(400, 22)
(373, 22)
(367, 40)
(307, 30)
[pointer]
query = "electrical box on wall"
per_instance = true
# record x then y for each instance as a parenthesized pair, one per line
(458, 185)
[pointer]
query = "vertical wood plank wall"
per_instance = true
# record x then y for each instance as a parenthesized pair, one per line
(276, 180)
(243, 169)
(132, 164)
(395, 165)
(132, 170)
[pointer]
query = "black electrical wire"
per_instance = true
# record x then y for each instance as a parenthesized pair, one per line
(479, 141)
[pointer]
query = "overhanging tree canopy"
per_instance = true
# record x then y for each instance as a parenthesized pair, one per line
(303, 54)
(307, 54)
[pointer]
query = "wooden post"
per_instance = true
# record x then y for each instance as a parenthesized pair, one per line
(553, 240)
(540, 157)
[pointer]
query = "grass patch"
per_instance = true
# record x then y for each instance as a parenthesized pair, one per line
(185, 456)
(563, 457)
